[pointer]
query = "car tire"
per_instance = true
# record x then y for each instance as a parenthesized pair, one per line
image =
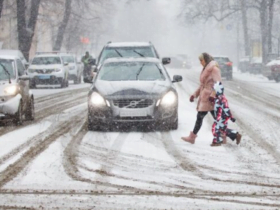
(30, 112)
(76, 80)
(19, 115)
(93, 126)
(277, 79)
(171, 124)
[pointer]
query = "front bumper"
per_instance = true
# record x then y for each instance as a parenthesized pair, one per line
(47, 80)
(114, 114)
(9, 107)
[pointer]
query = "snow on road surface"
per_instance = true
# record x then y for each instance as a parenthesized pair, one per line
(54, 162)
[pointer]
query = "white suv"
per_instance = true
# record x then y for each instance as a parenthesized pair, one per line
(75, 69)
(48, 69)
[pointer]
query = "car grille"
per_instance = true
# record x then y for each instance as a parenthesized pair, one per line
(133, 103)
(44, 71)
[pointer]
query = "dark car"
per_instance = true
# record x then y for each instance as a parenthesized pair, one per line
(272, 70)
(225, 66)
(133, 90)
(129, 49)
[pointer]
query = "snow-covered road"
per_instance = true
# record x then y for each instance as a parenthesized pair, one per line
(54, 162)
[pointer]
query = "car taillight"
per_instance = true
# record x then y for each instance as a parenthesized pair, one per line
(229, 63)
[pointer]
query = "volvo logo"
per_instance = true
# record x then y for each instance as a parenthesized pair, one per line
(134, 104)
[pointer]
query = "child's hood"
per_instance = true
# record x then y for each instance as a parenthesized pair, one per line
(219, 88)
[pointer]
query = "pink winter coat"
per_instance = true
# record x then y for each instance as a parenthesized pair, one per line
(208, 77)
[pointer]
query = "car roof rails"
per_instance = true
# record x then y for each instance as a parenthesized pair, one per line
(52, 52)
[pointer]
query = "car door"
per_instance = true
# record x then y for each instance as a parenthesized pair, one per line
(24, 84)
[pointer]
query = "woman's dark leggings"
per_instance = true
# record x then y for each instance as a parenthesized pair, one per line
(199, 119)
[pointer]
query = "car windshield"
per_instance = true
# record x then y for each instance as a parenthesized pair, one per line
(46, 60)
(127, 52)
(9, 66)
(221, 59)
(128, 71)
(68, 59)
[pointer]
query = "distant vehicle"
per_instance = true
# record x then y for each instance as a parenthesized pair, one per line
(180, 61)
(16, 100)
(128, 49)
(133, 90)
(272, 70)
(244, 64)
(225, 66)
(16, 53)
(75, 67)
(48, 68)
(256, 65)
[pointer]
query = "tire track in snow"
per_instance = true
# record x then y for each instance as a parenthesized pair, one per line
(37, 148)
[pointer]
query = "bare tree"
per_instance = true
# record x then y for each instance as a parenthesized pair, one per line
(62, 27)
(26, 28)
(270, 24)
(245, 27)
(1, 6)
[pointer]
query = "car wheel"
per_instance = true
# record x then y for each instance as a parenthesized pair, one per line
(93, 126)
(277, 79)
(76, 80)
(30, 112)
(18, 117)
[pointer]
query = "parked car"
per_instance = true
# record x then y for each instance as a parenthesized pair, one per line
(75, 67)
(225, 66)
(48, 68)
(16, 100)
(133, 90)
(256, 65)
(272, 70)
(244, 64)
(16, 53)
(128, 49)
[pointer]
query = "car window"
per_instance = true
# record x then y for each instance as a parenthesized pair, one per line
(20, 68)
(127, 52)
(68, 59)
(221, 59)
(6, 64)
(122, 71)
(46, 60)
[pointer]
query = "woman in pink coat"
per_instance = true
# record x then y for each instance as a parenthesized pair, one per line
(209, 75)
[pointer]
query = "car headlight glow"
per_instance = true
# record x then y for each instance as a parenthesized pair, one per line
(168, 99)
(97, 100)
(11, 90)
(57, 70)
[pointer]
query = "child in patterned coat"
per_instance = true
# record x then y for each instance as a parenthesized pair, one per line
(222, 115)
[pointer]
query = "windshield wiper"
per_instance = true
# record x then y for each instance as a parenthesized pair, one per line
(118, 53)
(139, 71)
(139, 53)
(160, 71)
(7, 72)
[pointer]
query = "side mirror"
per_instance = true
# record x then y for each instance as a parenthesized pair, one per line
(24, 78)
(66, 64)
(26, 65)
(88, 80)
(166, 61)
(177, 78)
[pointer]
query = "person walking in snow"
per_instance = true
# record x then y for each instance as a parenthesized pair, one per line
(209, 75)
(222, 114)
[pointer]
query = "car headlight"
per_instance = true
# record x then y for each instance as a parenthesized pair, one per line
(57, 70)
(168, 99)
(31, 71)
(97, 100)
(12, 90)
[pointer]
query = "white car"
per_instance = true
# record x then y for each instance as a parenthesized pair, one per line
(48, 69)
(75, 68)
(16, 53)
(16, 100)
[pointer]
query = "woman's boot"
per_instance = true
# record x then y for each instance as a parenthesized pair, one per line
(191, 138)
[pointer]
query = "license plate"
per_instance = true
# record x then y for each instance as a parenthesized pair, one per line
(44, 77)
(133, 113)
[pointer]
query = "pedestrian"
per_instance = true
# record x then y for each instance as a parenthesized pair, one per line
(222, 114)
(209, 75)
